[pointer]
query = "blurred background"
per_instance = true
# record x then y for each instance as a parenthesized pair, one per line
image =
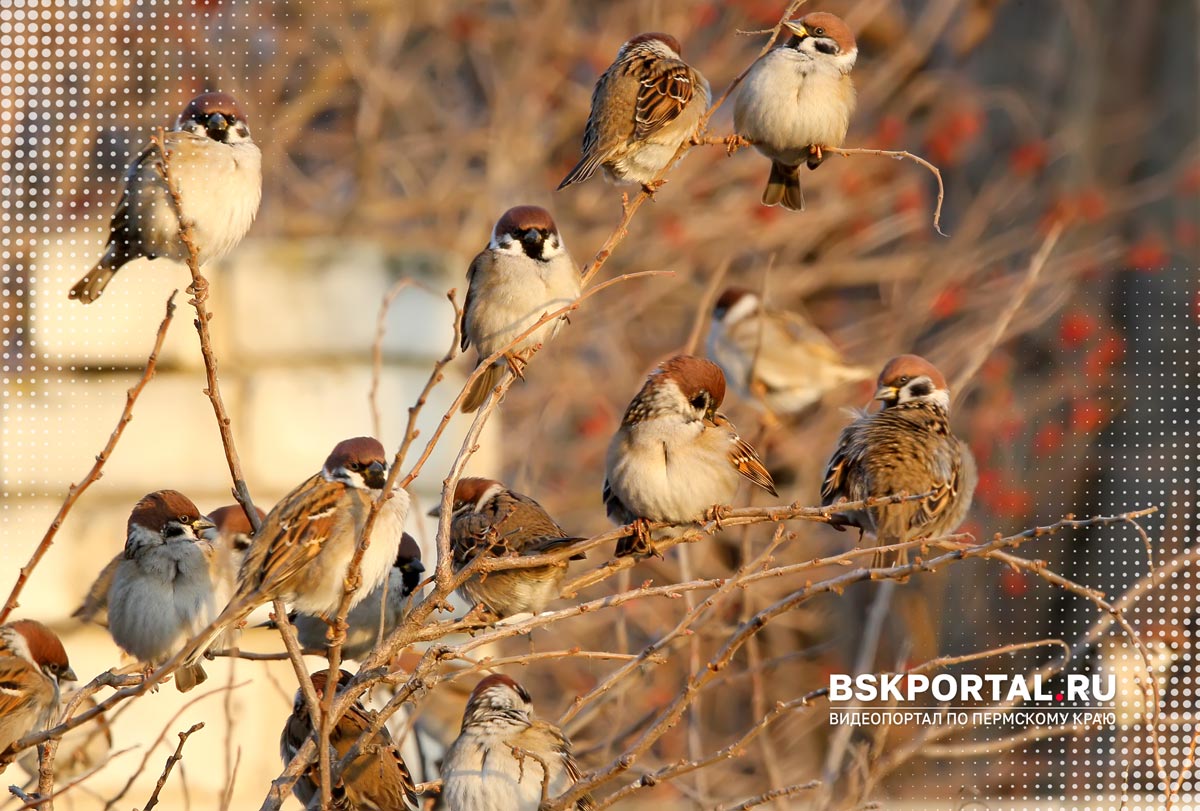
(395, 133)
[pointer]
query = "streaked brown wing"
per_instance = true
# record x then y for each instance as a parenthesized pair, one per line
(472, 271)
(292, 534)
(746, 460)
(665, 92)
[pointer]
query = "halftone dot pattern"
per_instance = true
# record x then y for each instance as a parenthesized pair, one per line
(86, 82)
(85, 85)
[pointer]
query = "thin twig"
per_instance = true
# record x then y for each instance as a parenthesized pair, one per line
(76, 490)
(175, 757)
(199, 298)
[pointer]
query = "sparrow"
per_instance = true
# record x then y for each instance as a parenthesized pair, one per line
(489, 766)
(32, 664)
(644, 107)
(379, 612)
(490, 519)
(376, 780)
(675, 457)
(302, 552)
(217, 169)
(224, 545)
(162, 593)
(524, 273)
(904, 447)
(775, 357)
(796, 99)
(82, 749)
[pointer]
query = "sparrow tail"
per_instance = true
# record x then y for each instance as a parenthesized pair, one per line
(583, 170)
(783, 187)
(89, 288)
(189, 676)
(479, 390)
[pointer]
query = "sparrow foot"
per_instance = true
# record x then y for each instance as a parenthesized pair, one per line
(735, 142)
(653, 186)
(516, 364)
(717, 513)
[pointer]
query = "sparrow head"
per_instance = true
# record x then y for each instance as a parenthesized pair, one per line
(822, 35)
(408, 561)
(498, 697)
(231, 525)
(735, 304)
(471, 494)
(358, 463)
(690, 387)
(164, 516)
(319, 680)
(216, 116)
(909, 379)
(654, 43)
(41, 647)
(527, 231)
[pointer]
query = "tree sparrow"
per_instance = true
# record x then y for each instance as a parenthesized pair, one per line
(503, 755)
(303, 549)
(490, 519)
(675, 457)
(32, 663)
(775, 357)
(646, 104)
(224, 545)
(376, 780)
(905, 447)
(162, 593)
(524, 273)
(379, 612)
(216, 168)
(797, 99)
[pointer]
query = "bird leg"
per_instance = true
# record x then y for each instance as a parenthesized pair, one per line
(516, 364)
(735, 142)
(653, 186)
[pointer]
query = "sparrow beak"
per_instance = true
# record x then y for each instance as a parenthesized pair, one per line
(436, 512)
(68, 675)
(887, 393)
(413, 566)
(201, 525)
(533, 237)
(375, 476)
(216, 125)
(797, 28)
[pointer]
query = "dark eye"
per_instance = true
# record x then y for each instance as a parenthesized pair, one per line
(355, 465)
(820, 32)
(904, 380)
(183, 519)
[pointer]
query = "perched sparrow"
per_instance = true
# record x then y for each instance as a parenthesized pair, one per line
(492, 520)
(644, 106)
(500, 759)
(376, 780)
(224, 545)
(905, 447)
(303, 549)
(379, 612)
(776, 357)
(83, 748)
(216, 168)
(32, 663)
(797, 99)
(675, 457)
(524, 273)
(162, 593)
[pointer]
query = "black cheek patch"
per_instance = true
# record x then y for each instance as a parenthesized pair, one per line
(827, 46)
(922, 389)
